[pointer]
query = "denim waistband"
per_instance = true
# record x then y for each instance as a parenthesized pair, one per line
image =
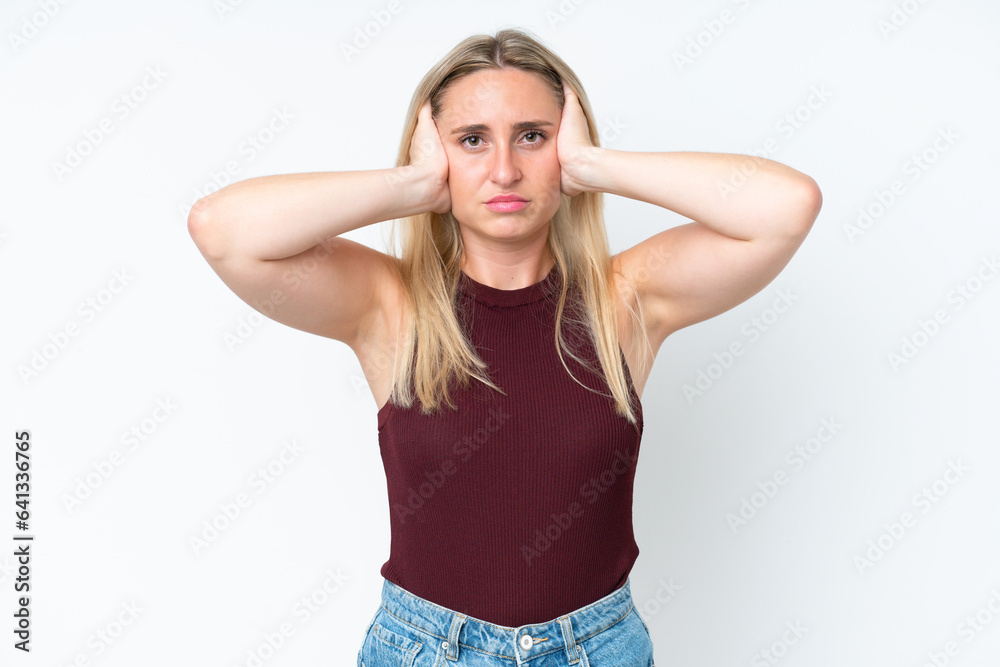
(454, 629)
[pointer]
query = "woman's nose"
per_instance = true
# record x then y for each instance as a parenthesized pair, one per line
(505, 169)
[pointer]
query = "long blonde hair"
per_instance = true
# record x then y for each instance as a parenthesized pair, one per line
(429, 265)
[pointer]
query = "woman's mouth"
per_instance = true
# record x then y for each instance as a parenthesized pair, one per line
(506, 203)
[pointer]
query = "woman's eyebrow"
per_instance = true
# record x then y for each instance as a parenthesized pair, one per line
(480, 127)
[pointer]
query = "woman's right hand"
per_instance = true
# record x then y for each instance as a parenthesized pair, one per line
(427, 155)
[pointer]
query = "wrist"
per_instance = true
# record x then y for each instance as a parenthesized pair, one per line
(586, 170)
(417, 189)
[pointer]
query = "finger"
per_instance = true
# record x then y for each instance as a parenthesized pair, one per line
(421, 143)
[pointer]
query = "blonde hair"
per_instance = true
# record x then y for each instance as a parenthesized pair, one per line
(433, 348)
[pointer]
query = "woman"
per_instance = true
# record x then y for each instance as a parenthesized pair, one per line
(505, 348)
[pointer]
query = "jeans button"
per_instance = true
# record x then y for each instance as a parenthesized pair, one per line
(526, 642)
(444, 645)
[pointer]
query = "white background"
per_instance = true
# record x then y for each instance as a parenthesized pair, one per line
(165, 326)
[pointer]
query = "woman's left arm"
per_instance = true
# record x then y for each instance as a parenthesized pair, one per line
(750, 216)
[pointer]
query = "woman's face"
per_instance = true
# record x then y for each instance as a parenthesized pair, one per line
(499, 130)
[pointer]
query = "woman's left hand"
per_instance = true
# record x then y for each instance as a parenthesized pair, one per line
(573, 144)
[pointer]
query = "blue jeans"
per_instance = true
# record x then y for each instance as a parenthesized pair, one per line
(408, 631)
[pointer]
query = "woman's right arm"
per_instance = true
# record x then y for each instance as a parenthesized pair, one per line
(273, 239)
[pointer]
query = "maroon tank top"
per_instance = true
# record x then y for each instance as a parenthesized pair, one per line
(513, 509)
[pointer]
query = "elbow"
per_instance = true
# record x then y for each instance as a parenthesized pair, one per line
(808, 202)
(203, 232)
(195, 223)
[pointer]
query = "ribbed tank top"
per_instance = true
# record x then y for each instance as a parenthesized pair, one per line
(513, 509)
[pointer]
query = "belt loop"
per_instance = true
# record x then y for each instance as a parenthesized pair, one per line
(457, 621)
(572, 653)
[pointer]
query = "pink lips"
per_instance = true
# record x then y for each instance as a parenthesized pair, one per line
(506, 203)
